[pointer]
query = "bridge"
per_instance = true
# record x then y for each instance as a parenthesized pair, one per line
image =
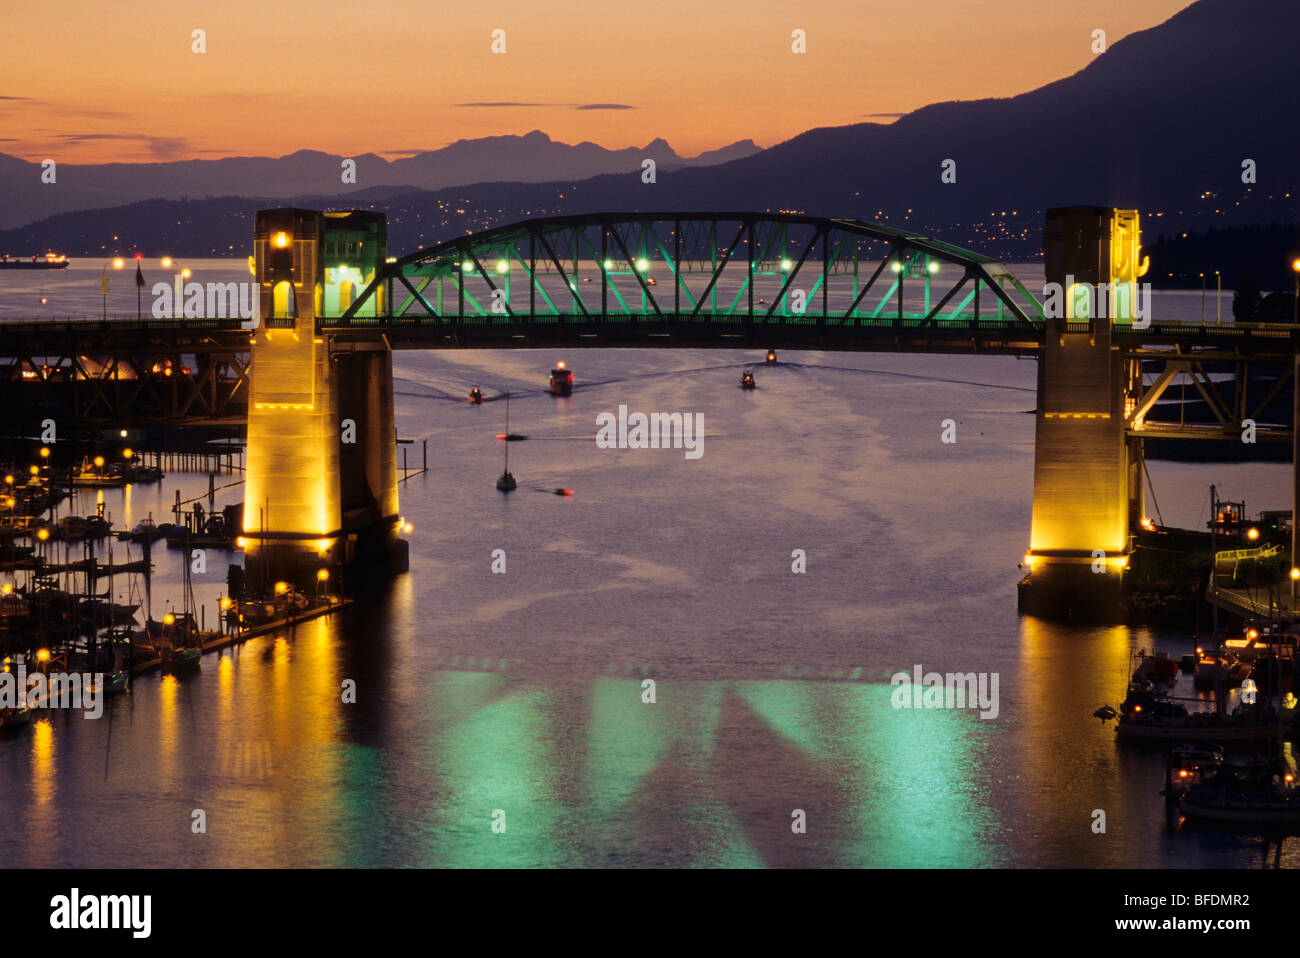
(314, 377)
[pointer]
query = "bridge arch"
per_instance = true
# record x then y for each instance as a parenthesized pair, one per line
(723, 267)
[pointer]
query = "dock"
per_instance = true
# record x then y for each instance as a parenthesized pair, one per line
(332, 604)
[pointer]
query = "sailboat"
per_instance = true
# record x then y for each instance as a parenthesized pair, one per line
(506, 482)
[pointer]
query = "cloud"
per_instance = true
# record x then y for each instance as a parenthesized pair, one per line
(159, 147)
(604, 106)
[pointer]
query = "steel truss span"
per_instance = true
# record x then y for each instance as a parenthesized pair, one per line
(738, 273)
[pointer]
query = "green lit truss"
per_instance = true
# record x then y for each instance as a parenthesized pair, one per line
(742, 268)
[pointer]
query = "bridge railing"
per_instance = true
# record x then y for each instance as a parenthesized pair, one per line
(115, 325)
(703, 317)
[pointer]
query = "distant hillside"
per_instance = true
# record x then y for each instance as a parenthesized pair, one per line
(533, 158)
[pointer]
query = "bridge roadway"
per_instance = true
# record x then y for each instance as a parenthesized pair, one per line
(165, 337)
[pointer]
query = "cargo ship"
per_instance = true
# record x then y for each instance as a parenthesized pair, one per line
(48, 261)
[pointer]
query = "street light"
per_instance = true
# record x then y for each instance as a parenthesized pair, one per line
(1295, 298)
(103, 281)
(1218, 299)
(1202, 299)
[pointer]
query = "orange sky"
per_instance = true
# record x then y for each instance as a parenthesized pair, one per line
(90, 82)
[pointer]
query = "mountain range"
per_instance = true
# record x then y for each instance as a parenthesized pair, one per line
(531, 158)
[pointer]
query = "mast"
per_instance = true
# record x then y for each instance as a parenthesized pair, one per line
(507, 466)
(1214, 591)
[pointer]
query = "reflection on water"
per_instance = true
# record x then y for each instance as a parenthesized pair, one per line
(521, 699)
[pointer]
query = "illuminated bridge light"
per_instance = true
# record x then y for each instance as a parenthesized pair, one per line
(503, 266)
(642, 264)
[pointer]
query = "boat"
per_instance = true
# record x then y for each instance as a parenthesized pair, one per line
(48, 261)
(476, 396)
(1186, 765)
(506, 481)
(561, 381)
(1157, 668)
(747, 380)
(181, 658)
(771, 357)
(1254, 793)
(15, 717)
(146, 530)
(96, 475)
(144, 474)
(13, 609)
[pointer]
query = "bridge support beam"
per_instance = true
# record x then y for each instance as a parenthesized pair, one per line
(321, 492)
(1088, 490)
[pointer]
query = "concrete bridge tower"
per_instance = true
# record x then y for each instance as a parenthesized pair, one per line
(321, 489)
(1087, 469)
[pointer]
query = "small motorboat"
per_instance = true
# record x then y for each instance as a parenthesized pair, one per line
(506, 482)
(184, 658)
(15, 717)
(747, 380)
(561, 381)
(476, 396)
(771, 357)
(146, 530)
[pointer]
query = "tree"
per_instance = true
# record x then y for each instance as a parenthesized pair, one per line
(1245, 301)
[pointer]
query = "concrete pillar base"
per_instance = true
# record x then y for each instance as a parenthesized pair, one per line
(1069, 591)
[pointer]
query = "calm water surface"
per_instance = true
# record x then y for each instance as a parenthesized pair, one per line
(522, 692)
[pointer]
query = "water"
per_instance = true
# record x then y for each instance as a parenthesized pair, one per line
(522, 692)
